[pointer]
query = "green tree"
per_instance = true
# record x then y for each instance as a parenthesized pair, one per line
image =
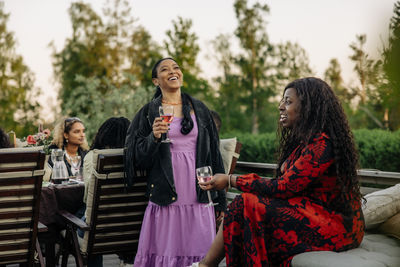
(109, 49)
(19, 108)
(254, 62)
(391, 66)
(253, 79)
(333, 76)
(367, 69)
(181, 44)
(228, 102)
(293, 62)
(124, 100)
(142, 54)
(370, 78)
(85, 53)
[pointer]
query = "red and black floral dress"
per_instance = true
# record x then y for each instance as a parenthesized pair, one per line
(275, 219)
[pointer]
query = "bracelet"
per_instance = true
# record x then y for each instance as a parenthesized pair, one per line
(229, 181)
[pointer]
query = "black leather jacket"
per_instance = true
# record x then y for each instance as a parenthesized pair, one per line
(143, 152)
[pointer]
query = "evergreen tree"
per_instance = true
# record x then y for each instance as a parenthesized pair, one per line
(94, 107)
(253, 79)
(228, 102)
(333, 76)
(18, 107)
(254, 61)
(181, 44)
(293, 62)
(370, 78)
(142, 54)
(85, 52)
(109, 49)
(391, 66)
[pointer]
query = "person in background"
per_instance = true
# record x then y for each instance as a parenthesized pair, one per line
(111, 134)
(313, 204)
(219, 215)
(178, 225)
(4, 140)
(69, 135)
(217, 120)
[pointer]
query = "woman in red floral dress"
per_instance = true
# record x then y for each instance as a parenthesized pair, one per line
(314, 203)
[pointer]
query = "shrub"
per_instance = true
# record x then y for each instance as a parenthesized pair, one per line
(378, 149)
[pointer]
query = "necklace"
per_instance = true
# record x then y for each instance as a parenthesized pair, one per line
(171, 103)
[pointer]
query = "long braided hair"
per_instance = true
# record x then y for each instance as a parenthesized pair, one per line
(187, 122)
(321, 111)
(111, 133)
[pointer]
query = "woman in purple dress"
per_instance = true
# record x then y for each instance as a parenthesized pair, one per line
(178, 226)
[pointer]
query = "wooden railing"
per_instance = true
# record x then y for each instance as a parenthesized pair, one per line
(371, 180)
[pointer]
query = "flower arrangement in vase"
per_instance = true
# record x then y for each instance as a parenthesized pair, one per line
(41, 138)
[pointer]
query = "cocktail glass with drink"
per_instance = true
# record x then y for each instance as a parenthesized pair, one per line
(167, 113)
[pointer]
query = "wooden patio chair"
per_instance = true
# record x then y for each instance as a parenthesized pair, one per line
(114, 213)
(21, 174)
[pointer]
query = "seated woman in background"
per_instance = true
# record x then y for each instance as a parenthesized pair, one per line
(4, 140)
(111, 134)
(69, 135)
(313, 204)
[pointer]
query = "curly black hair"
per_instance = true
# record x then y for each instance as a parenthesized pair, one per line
(111, 133)
(4, 140)
(321, 112)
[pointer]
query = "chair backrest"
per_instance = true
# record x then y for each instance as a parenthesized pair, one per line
(114, 212)
(230, 152)
(21, 174)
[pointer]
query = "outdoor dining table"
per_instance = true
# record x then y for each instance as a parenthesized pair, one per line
(52, 199)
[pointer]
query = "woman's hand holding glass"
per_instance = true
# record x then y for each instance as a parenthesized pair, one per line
(167, 114)
(204, 174)
(218, 182)
(159, 127)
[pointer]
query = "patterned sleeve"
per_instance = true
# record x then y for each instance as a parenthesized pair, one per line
(313, 161)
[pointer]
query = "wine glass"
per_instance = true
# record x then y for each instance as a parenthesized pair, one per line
(75, 164)
(204, 174)
(53, 155)
(167, 113)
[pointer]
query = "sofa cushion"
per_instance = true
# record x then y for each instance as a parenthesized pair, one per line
(381, 205)
(376, 250)
(227, 148)
(391, 226)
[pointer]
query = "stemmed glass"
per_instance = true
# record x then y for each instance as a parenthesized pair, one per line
(204, 174)
(76, 164)
(167, 113)
(53, 155)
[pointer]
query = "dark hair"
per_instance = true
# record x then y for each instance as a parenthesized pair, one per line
(217, 119)
(4, 140)
(320, 111)
(68, 122)
(187, 122)
(111, 133)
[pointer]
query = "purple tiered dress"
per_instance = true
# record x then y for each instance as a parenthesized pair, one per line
(182, 232)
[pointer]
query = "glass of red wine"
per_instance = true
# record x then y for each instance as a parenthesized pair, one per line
(167, 113)
(204, 174)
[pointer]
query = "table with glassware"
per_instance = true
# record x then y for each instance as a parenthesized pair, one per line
(54, 197)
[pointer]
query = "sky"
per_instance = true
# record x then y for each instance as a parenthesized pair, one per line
(324, 28)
